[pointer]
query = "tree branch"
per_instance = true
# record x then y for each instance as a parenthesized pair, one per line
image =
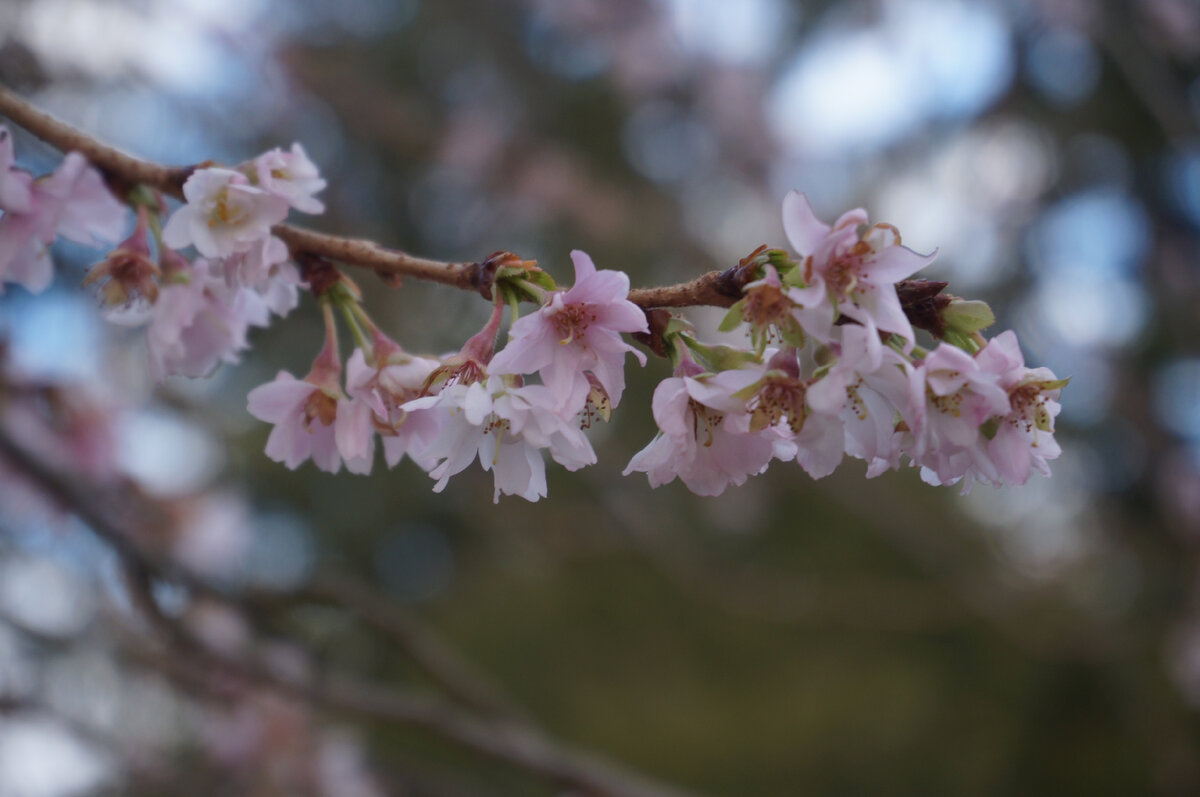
(128, 169)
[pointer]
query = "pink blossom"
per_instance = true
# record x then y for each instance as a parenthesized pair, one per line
(705, 436)
(252, 266)
(72, 202)
(384, 390)
(858, 271)
(506, 428)
(224, 214)
(863, 392)
(291, 176)
(354, 434)
(128, 276)
(575, 332)
(958, 397)
(25, 240)
(774, 396)
(264, 268)
(1003, 441)
(304, 416)
(809, 306)
(87, 212)
(200, 322)
(1024, 438)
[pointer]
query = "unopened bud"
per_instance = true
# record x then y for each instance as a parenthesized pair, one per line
(967, 316)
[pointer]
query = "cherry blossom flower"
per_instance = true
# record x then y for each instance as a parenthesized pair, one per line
(87, 212)
(863, 392)
(265, 269)
(385, 389)
(957, 397)
(1023, 439)
(575, 332)
(773, 395)
(705, 437)
(769, 303)
(291, 176)
(200, 322)
(224, 214)
(304, 412)
(72, 202)
(505, 428)
(1002, 440)
(858, 271)
(128, 276)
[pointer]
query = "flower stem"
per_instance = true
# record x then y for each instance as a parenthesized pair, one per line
(483, 343)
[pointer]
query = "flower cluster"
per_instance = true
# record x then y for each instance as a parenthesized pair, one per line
(848, 377)
(833, 369)
(444, 413)
(198, 313)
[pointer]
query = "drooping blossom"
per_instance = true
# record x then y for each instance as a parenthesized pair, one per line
(128, 276)
(576, 332)
(304, 412)
(385, 389)
(505, 427)
(265, 269)
(1013, 437)
(199, 322)
(859, 270)
(772, 396)
(87, 212)
(72, 202)
(224, 214)
(291, 176)
(957, 397)
(705, 437)
(866, 391)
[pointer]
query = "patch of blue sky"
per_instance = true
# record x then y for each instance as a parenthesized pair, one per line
(850, 90)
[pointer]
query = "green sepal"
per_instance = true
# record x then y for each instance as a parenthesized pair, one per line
(962, 340)
(541, 278)
(780, 260)
(719, 358)
(793, 278)
(1054, 384)
(989, 427)
(792, 333)
(733, 318)
(677, 326)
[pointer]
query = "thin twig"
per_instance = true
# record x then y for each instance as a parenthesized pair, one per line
(442, 665)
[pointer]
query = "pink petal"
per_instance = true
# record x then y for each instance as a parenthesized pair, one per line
(803, 229)
(895, 263)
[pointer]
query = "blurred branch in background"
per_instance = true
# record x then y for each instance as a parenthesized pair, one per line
(496, 735)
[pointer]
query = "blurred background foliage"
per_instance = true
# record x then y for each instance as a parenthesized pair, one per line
(790, 637)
